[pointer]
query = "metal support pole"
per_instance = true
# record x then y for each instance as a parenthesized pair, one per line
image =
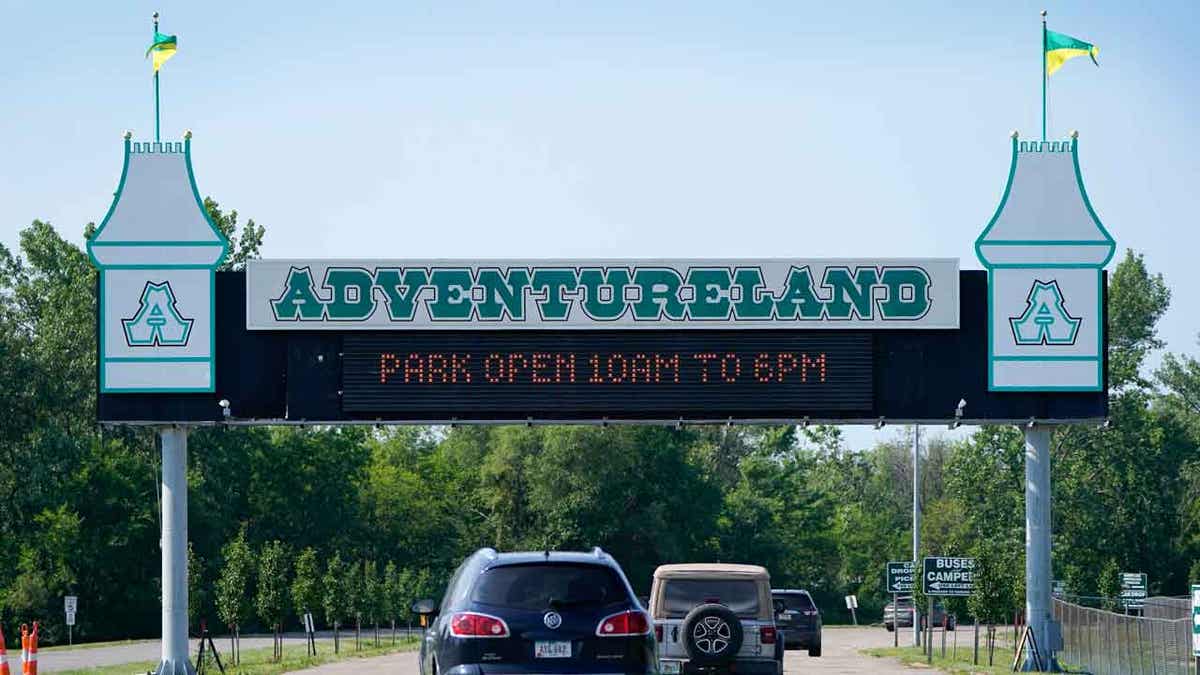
(1037, 545)
(895, 620)
(916, 533)
(174, 554)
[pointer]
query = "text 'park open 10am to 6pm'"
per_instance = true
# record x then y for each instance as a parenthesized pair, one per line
(602, 368)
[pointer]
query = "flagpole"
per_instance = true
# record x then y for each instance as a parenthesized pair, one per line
(157, 136)
(1044, 77)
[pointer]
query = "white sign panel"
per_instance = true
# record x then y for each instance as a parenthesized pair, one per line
(600, 294)
(70, 604)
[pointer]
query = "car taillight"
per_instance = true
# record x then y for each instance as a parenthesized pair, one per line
(475, 625)
(632, 622)
(658, 633)
(767, 635)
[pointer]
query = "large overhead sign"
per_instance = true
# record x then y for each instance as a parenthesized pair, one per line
(847, 340)
(601, 294)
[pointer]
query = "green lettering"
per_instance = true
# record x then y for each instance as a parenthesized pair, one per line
(850, 294)
(799, 301)
(905, 281)
(553, 281)
(299, 300)
(352, 299)
(708, 301)
(749, 280)
(660, 293)
(502, 293)
(594, 280)
(452, 290)
(400, 290)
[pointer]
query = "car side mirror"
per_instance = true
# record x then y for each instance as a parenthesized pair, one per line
(426, 609)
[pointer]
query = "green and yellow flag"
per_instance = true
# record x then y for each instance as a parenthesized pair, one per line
(1060, 48)
(162, 49)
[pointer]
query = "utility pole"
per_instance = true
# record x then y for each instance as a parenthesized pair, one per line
(916, 534)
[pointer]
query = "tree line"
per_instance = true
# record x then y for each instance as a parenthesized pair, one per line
(279, 516)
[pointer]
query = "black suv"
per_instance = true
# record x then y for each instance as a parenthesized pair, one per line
(798, 619)
(548, 612)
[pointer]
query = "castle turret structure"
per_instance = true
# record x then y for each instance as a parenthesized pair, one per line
(1045, 250)
(157, 252)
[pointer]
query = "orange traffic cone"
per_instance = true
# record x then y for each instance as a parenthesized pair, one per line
(24, 649)
(3, 654)
(33, 650)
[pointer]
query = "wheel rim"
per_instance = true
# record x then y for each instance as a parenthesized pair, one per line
(712, 635)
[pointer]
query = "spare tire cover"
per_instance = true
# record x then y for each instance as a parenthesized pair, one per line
(712, 634)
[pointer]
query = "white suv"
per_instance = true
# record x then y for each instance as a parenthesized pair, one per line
(715, 618)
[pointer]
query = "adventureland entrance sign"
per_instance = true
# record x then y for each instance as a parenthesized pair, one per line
(868, 341)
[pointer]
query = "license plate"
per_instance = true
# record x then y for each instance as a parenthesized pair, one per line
(551, 650)
(670, 667)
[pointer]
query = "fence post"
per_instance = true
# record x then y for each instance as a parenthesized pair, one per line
(975, 658)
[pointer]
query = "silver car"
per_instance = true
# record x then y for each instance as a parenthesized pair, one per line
(715, 618)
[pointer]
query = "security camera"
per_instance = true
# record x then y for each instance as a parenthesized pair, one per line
(962, 403)
(224, 403)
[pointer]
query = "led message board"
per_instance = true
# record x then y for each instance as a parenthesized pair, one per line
(607, 373)
(334, 376)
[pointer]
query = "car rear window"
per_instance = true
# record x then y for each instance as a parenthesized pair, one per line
(680, 596)
(543, 585)
(796, 601)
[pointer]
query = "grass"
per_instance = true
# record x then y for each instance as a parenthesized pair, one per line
(258, 661)
(1002, 661)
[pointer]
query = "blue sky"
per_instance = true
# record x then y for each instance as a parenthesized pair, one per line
(625, 129)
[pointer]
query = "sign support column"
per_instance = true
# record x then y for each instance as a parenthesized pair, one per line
(174, 553)
(916, 533)
(1037, 544)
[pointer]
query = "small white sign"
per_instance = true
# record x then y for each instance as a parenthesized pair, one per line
(70, 618)
(851, 602)
(71, 604)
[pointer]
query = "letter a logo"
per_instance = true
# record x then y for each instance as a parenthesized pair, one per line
(157, 322)
(1045, 320)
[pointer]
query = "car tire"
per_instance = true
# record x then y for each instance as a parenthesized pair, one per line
(890, 627)
(712, 634)
(815, 651)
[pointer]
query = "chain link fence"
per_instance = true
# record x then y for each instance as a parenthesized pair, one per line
(1103, 642)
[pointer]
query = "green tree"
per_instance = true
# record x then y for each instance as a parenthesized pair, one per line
(197, 588)
(355, 599)
(333, 596)
(241, 247)
(306, 590)
(372, 596)
(270, 600)
(1137, 300)
(233, 587)
(1108, 584)
(391, 595)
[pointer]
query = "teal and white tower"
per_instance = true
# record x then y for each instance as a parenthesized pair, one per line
(1045, 250)
(157, 253)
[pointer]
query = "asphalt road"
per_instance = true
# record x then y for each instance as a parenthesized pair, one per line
(840, 654)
